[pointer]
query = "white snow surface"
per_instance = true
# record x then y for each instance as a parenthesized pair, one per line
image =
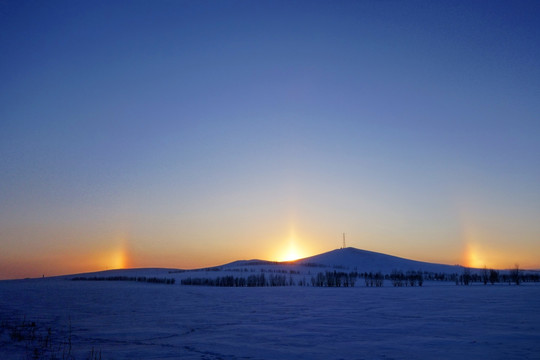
(131, 320)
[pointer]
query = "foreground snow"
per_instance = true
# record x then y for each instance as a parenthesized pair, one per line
(130, 320)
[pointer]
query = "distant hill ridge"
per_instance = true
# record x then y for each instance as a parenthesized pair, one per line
(363, 260)
(354, 259)
(345, 259)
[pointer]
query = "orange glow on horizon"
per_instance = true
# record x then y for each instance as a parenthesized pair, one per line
(290, 254)
(118, 260)
(117, 257)
(484, 247)
(291, 251)
(473, 257)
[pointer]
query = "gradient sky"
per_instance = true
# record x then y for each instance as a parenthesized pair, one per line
(193, 133)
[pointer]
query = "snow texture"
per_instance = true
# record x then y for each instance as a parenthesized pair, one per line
(130, 320)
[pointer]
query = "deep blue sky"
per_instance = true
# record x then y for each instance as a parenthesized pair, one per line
(189, 133)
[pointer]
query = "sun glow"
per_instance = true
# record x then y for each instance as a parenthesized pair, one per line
(118, 260)
(472, 257)
(291, 254)
(291, 251)
(118, 257)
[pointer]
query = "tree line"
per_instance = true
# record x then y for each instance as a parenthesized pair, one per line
(153, 280)
(336, 278)
(410, 278)
(235, 281)
(515, 276)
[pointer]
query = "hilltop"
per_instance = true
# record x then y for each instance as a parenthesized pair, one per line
(369, 261)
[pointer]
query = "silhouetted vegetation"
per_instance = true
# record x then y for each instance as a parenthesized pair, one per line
(466, 278)
(410, 278)
(153, 280)
(327, 279)
(515, 275)
(42, 342)
(232, 281)
(334, 279)
(493, 276)
(371, 279)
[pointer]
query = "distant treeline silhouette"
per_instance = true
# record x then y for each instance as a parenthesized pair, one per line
(235, 281)
(335, 278)
(282, 277)
(322, 279)
(252, 270)
(153, 280)
(515, 275)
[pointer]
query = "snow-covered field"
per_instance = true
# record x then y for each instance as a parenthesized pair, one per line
(131, 320)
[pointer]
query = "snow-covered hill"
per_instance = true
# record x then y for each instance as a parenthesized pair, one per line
(348, 260)
(367, 261)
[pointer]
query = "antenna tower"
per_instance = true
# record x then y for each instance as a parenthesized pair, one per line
(344, 241)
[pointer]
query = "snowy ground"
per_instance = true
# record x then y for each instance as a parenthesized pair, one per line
(130, 320)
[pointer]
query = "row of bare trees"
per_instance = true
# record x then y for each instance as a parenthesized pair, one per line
(485, 276)
(410, 278)
(235, 281)
(335, 278)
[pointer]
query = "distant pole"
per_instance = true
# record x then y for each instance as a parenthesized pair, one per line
(343, 241)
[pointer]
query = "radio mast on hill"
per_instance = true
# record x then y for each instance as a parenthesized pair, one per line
(344, 241)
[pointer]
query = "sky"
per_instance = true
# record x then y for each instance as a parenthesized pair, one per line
(188, 134)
